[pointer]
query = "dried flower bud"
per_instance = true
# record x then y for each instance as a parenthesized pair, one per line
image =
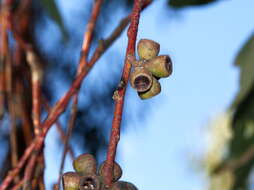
(141, 79)
(71, 181)
(153, 91)
(123, 185)
(160, 66)
(117, 171)
(85, 164)
(148, 49)
(90, 182)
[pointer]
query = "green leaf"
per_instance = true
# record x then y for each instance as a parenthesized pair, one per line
(245, 61)
(184, 3)
(54, 13)
(241, 147)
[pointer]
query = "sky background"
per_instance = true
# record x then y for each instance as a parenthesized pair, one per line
(203, 43)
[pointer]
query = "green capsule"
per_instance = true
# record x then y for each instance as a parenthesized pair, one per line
(148, 49)
(71, 181)
(160, 66)
(141, 79)
(153, 91)
(85, 164)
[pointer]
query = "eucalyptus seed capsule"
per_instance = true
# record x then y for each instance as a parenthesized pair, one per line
(141, 79)
(148, 49)
(71, 181)
(160, 66)
(90, 182)
(117, 171)
(85, 164)
(153, 91)
(123, 185)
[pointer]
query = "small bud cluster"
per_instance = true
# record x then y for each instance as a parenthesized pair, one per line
(87, 177)
(149, 69)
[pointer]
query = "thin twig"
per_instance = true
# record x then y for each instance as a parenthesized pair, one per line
(59, 107)
(7, 62)
(59, 129)
(120, 92)
(237, 163)
(15, 171)
(36, 72)
(18, 185)
(66, 142)
(83, 61)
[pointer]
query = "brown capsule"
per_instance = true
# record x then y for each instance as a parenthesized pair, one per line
(153, 91)
(123, 185)
(85, 164)
(160, 66)
(71, 181)
(141, 79)
(148, 49)
(117, 171)
(90, 182)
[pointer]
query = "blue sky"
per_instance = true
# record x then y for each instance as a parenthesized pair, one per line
(203, 43)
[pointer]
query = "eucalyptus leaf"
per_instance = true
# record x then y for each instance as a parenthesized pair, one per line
(54, 13)
(245, 61)
(184, 3)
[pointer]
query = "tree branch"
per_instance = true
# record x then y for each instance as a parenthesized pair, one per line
(60, 106)
(120, 92)
(82, 63)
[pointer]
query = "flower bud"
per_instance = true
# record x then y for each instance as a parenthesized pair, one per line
(85, 164)
(153, 91)
(148, 49)
(141, 79)
(117, 171)
(160, 66)
(71, 181)
(123, 185)
(90, 182)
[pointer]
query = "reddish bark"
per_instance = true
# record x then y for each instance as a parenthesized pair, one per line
(120, 92)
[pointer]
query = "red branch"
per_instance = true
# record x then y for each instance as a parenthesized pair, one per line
(36, 72)
(60, 106)
(120, 92)
(19, 166)
(82, 63)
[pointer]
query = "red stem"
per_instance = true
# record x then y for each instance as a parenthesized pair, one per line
(60, 106)
(120, 93)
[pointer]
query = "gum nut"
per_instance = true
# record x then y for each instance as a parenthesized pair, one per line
(90, 182)
(117, 171)
(153, 91)
(148, 49)
(85, 164)
(71, 181)
(160, 66)
(141, 79)
(123, 185)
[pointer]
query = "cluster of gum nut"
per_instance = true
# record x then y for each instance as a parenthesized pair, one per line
(87, 177)
(149, 69)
